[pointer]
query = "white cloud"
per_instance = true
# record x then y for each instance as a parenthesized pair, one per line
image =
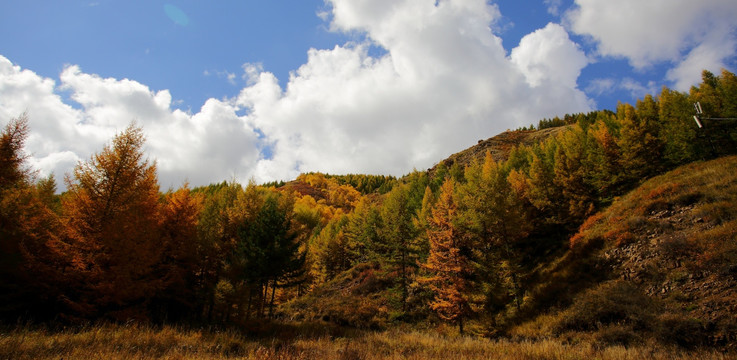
(693, 35)
(601, 86)
(548, 55)
(553, 6)
(443, 82)
(636, 89)
(212, 145)
(710, 55)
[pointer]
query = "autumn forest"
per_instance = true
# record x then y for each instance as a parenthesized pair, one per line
(490, 245)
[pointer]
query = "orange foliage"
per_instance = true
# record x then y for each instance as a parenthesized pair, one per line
(112, 209)
(663, 190)
(449, 267)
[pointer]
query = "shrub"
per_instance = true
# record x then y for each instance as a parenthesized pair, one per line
(617, 335)
(686, 332)
(613, 302)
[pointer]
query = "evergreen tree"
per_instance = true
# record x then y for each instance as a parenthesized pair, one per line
(679, 130)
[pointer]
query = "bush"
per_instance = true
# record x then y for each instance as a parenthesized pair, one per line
(686, 332)
(612, 303)
(617, 335)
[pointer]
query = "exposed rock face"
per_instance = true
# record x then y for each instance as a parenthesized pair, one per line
(659, 260)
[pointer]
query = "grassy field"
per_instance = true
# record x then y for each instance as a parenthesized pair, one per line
(143, 342)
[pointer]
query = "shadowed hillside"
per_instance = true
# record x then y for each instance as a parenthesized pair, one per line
(658, 263)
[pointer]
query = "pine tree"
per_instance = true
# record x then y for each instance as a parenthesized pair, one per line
(678, 134)
(639, 151)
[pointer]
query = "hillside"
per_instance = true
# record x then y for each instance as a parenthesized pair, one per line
(499, 146)
(658, 263)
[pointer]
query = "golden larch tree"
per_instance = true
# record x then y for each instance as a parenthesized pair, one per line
(112, 209)
(448, 262)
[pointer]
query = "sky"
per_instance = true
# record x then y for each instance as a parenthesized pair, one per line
(265, 90)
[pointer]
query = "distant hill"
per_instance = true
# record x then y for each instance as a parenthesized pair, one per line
(500, 146)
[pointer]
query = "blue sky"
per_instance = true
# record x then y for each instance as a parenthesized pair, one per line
(268, 89)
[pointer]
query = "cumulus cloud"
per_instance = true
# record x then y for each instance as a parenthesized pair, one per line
(690, 34)
(442, 81)
(710, 55)
(548, 55)
(212, 144)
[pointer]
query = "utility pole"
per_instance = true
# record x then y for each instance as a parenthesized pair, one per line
(699, 118)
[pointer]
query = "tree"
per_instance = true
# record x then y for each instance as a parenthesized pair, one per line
(216, 234)
(638, 145)
(12, 169)
(571, 173)
(113, 214)
(272, 254)
(399, 237)
(448, 262)
(678, 133)
(179, 264)
(603, 161)
(30, 263)
(499, 223)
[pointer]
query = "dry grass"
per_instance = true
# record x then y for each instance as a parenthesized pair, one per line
(137, 342)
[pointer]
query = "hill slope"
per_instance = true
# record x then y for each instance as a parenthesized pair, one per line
(499, 146)
(659, 262)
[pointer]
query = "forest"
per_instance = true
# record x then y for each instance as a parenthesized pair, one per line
(469, 245)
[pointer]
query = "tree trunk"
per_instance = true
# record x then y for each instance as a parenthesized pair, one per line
(271, 305)
(248, 307)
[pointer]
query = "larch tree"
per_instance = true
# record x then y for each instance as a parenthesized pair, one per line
(571, 172)
(112, 208)
(637, 143)
(498, 221)
(30, 261)
(400, 235)
(448, 263)
(179, 266)
(679, 132)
